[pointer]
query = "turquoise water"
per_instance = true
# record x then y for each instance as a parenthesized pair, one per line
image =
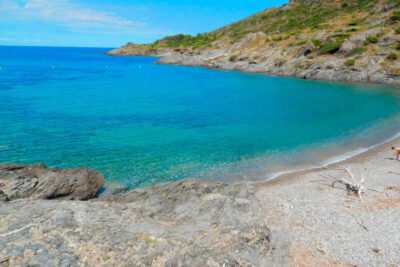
(141, 123)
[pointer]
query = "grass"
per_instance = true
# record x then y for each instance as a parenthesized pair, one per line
(329, 48)
(355, 51)
(392, 56)
(316, 42)
(371, 40)
(350, 62)
(301, 42)
(233, 58)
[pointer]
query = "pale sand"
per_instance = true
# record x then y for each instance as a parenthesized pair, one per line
(328, 226)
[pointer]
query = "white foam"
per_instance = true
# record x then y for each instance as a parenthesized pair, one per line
(328, 161)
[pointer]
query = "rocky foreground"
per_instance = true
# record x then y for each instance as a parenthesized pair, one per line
(306, 218)
(185, 223)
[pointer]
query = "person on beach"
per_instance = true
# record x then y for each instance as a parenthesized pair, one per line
(396, 152)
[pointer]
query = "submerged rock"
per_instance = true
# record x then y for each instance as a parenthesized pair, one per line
(40, 182)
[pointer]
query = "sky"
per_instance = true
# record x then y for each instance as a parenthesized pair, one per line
(105, 23)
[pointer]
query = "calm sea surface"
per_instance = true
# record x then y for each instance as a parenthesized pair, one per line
(141, 124)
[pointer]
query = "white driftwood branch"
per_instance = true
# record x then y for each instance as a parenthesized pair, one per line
(353, 185)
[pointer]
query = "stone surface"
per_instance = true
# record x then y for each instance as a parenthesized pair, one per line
(38, 181)
(185, 223)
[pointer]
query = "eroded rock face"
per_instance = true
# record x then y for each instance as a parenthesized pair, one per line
(185, 223)
(40, 182)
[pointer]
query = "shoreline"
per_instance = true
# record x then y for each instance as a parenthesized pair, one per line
(162, 61)
(344, 159)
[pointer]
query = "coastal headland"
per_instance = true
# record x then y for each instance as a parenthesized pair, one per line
(351, 41)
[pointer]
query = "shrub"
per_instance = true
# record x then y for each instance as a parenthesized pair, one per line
(352, 30)
(329, 48)
(354, 23)
(371, 40)
(395, 16)
(316, 42)
(398, 30)
(398, 46)
(233, 58)
(350, 62)
(355, 51)
(277, 39)
(345, 5)
(392, 56)
(301, 42)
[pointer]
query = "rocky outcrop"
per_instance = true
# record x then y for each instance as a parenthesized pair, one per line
(185, 223)
(40, 182)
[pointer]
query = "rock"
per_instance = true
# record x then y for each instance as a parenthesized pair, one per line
(38, 181)
(185, 223)
(305, 50)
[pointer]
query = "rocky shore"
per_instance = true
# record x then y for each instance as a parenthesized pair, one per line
(359, 43)
(294, 61)
(186, 223)
(298, 219)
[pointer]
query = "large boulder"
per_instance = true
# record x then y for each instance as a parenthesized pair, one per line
(40, 182)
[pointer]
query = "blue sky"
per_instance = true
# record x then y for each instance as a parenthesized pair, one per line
(101, 23)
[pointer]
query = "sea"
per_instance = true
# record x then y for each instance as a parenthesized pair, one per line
(141, 123)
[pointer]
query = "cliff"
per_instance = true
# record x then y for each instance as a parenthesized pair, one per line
(355, 41)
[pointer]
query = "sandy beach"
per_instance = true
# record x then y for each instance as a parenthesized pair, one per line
(328, 226)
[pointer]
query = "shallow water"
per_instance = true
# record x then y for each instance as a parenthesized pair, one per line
(141, 124)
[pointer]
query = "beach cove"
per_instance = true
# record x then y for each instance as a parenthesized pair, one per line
(298, 218)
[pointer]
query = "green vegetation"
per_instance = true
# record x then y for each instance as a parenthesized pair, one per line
(233, 58)
(303, 14)
(395, 16)
(200, 40)
(354, 23)
(398, 30)
(371, 40)
(350, 62)
(148, 240)
(277, 39)
(329, 48)
(393, 56)
(316, 42)
(302, 42)
(398, 46)
(340, 37)
(291, 21)
(355, 51)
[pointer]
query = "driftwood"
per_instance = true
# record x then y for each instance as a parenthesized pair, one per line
(353, 185)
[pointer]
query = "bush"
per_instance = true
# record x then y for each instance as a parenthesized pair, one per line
(371, 40)
(354, 23)
(355, 51)
(398, 46)
(392, 56)
(316, 42)
(301, 42)
(396, 16)
(398, 30)
(329, 48)
(233, 58)
(352, 30)
(350, 62)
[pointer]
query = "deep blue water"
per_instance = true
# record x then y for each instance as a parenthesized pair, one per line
(141, 123)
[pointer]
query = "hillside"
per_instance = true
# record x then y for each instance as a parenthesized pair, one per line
(355, 40)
